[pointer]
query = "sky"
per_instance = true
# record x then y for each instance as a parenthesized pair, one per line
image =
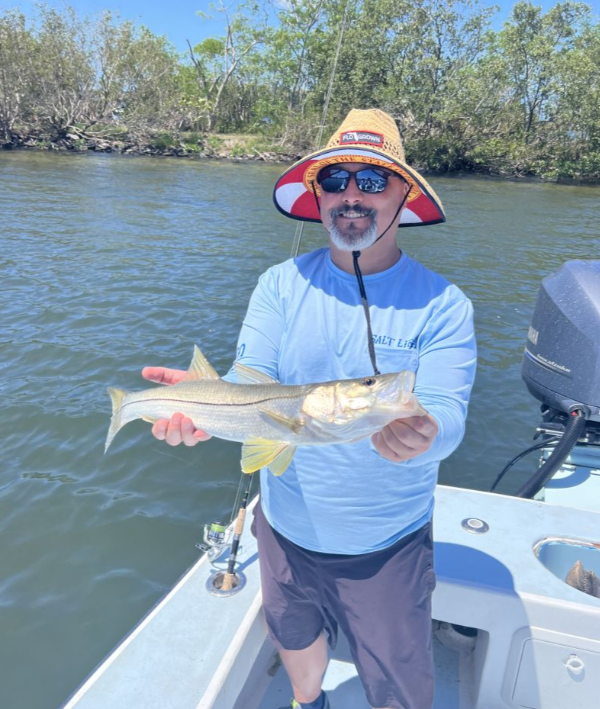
(179, 19)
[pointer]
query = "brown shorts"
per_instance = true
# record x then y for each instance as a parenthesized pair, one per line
(380, 600)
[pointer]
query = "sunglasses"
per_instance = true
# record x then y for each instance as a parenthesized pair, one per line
(369, 180)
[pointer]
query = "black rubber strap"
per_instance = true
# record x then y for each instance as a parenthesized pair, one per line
(363, 292)
(395, 215)
(365, 302)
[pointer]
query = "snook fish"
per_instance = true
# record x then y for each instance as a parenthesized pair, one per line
(269, 418)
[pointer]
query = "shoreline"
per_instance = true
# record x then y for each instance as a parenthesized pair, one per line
(239, 153)
(77, 144)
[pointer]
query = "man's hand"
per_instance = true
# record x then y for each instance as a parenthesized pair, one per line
(180, 429)
(407, 438)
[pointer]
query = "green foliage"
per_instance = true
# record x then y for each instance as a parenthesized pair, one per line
(214, 143)
(58, 71)
(211, 48)
(163, 141)
(238, 151)
(16, 48)
(192, 141)
(223, 65)
(79, 145)
(520, 100)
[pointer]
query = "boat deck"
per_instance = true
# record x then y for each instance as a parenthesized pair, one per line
(197, 651)
(345, 691)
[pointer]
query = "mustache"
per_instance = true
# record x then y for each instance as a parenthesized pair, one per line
(345, 210)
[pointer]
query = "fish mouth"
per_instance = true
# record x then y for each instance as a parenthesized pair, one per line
(397, 391)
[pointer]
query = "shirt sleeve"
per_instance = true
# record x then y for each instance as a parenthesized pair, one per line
(445, 376)
(262, 330)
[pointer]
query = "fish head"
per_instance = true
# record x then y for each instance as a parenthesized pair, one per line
(380, 398)
(381, 393)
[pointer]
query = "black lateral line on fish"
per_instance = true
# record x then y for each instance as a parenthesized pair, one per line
(210, 403)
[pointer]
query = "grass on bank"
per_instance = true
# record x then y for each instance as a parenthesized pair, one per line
(221, 144)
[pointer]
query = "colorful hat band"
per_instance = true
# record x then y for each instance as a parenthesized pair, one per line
(335, 157)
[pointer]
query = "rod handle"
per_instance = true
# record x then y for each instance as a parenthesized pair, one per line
(227, 582)
(239, 524)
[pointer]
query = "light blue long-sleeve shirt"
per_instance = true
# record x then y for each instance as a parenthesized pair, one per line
(305, 323)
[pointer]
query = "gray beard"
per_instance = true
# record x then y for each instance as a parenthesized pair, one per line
(353, 239)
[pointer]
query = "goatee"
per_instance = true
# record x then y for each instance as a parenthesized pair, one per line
(352, 238)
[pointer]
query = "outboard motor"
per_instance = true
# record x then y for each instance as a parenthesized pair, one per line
(561, 367)
(561, 364)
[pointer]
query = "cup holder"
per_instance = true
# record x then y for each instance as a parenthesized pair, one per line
(573, 561)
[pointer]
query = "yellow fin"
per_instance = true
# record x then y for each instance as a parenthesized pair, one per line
(248, 375)
(279, 465)
(258, 453)
(200, 368)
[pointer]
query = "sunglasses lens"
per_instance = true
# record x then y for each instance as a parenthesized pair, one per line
(334, 180)
(368, 180)
(371, 181)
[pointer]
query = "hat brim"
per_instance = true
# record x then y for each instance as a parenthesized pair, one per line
(296, 191)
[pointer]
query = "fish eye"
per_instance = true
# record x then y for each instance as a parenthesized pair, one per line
(368, 382)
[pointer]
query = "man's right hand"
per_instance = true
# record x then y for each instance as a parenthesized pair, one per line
(180, 429)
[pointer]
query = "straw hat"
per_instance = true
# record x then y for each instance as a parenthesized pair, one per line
(370, 137)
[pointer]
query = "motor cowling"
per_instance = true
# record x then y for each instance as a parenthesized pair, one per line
(561, 362)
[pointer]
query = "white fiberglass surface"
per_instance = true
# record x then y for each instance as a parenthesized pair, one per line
(345, 691)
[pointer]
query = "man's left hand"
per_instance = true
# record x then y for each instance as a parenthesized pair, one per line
(404, 439)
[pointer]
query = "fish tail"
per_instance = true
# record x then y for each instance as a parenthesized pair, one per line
(117, 396)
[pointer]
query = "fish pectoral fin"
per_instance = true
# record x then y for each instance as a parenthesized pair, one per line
(200, 368)
(248, 375)
(259, 453)
(293, 424)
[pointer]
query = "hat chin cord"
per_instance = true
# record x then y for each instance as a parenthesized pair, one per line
(359, 278)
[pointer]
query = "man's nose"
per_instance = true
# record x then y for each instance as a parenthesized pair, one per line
(352, 194)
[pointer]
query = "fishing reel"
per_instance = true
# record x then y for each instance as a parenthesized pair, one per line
(217, 537)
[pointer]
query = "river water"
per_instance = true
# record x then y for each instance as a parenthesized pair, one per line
(111, 263)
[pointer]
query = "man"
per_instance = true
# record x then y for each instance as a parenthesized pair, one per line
(344, 535)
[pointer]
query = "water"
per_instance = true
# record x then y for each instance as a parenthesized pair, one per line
(111, 263)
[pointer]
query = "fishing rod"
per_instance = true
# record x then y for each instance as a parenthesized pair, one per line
(229, 578)
(217, 536)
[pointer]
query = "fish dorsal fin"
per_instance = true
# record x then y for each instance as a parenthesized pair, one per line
(259, 453)
(200, 368)
(247, 375)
